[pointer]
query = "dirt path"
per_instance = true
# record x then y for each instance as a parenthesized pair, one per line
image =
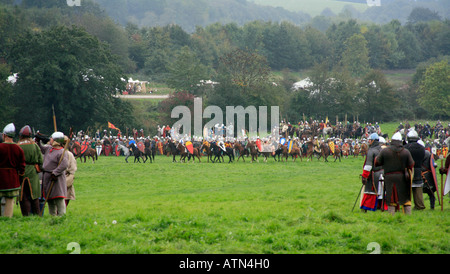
(164, 96)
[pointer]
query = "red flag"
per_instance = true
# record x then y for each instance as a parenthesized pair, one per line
(112, 126)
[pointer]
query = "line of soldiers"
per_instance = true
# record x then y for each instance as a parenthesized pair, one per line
(322, 146)
(396, 175)
(36, 170)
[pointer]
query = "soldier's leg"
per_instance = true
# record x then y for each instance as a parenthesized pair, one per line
(52, 210)
(60, 206)
(418, 198)
(9, 207)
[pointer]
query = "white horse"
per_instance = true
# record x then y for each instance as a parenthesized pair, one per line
(327, 131)
(126, 151)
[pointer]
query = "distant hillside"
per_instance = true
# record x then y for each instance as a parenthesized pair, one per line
(191, 13)
(313, 7)
(359, 9)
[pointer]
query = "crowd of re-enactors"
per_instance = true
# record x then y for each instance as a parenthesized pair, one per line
(35, 173)
(396, 175)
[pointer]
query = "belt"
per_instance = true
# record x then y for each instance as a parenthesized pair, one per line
(394, 172)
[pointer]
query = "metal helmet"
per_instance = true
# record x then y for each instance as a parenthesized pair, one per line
(58, 137)
(374, 136)
(25, 131)
(412, 135)
(10, 130)
(397, 136)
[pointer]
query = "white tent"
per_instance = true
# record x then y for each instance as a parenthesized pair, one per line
(303, 84)
(12, 78)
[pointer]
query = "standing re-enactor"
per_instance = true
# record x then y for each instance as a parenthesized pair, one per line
(444, 170)
(70, 176)
(418, 154)
(30, 183)
(54, 173)
(428, 176)
(373, 188)
(12, 165)
(397, 163)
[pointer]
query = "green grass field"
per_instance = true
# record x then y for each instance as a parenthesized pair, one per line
(239, 208)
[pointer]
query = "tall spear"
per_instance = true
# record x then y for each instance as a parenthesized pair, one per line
(54, 118)
(442, 183)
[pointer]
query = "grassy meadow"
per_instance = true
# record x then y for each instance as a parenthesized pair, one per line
(219, 208)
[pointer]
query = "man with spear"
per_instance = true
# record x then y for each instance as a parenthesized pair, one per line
(54, 167)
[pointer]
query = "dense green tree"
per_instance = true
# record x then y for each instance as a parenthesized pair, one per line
(137, 50)
(13, 21)
(252, 36)
(356, 55)
(421, 14)
(7, 108)
(286, 46)
(377, 100)
(71, 70)
(379, 46)
(186, 72)
(410, 48)
(443, 38)
(318, 44)
(338, 34)
(109, 32)
(434, 90)
(247, 70)
(427, 35)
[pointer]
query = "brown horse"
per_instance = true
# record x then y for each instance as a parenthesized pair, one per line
(184, 152)
(281, 151)
(312, 150)
(251, 146)
(296, 152)
(337, 153)
(324, 151)
(89, 152)
(241, 150)
(206, 147)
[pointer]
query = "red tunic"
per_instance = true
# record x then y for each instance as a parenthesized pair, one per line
(12, 164)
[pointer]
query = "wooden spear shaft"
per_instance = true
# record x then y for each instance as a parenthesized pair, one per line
(442, 186)
(54, 119)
